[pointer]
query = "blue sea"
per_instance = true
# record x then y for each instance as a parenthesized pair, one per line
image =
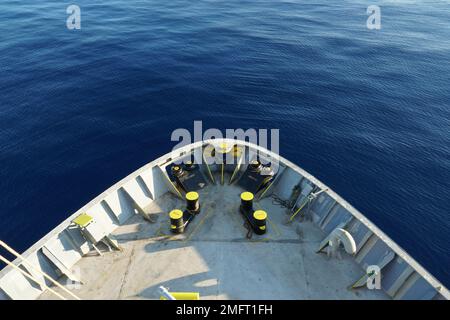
(365, 111)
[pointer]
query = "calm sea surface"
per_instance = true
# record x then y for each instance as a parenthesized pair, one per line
(365, 111)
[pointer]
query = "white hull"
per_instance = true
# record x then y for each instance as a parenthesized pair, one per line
(216, 247)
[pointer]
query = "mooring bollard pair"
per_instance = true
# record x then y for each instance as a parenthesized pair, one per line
(256, 218)
(180, 219)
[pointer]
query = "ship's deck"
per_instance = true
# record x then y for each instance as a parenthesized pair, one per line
(215, 258)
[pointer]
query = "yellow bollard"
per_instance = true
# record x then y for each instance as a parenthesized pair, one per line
(184, 296)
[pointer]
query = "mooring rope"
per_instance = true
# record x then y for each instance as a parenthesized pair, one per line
(249, 230)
